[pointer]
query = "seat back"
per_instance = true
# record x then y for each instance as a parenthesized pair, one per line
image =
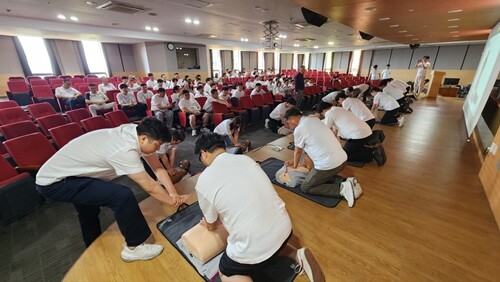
(8, 104)
(246, 102)
(48, 122)
(18, 86)
(76, 80)
(201, 101)
(182, 119)
(117, 118)
(268, 98)
(82, 88)
(219, 108)
(257, 100)
(32, 78)
(95, 123)
(11, 115)
(112, 94)
(78, 115)
(30, 151)
(17, 129)
(217, 118)
(64, 133)
(7, 170)
(36, 82)
(41, 109)
(18, 78)
(42, 92)
(55, 82)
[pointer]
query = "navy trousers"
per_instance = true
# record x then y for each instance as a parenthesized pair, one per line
(88, 195)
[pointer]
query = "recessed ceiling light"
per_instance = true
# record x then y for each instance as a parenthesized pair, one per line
(454, 20)
(411, 10)
(73, 18)
(296, 45)
(409, 35)
(246, 39)
(148, 27)
(455, 36)
(196, 22)
(155, 29)
(212, 35)
(455, 11)
(188, 20)
(315, 46)
(91, 3)
(452, 26)
(384, 19)
(402, 31)
(331, 43)
(455, 31)
(62, 17)
(370, 9)
(415, 39)
(394, 25)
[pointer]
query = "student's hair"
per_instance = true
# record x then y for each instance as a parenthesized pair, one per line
(199, 87)
(186, 76)
(209, 142)
(185, 91)
(291, 101)
(208, 79)
(427, 57)
(236, 123)
(214, 91)
(91, 84)
(340, 95)
(293, 112)
(350, 88)
(383, 83)
(150, 74)
(323, 106)
(66, 80)
(225, 88)
(143, 84)
(124, 77)
(176, 73)
(123, 85)
(154, 129)
(375, 88)
(388, 65)
(160, 80)
(427, 80)
(258, 84)
(175, 79)
(178, 135)
(375, 66)
(176, 88)
(161, 89)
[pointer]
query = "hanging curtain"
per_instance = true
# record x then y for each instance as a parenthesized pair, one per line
(106, 57)
(52, 50)
(81, 58)
(22, 57)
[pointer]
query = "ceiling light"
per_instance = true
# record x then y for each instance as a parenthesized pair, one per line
(62, 17)
(394, 25)
(415, 39)
(246, 39)
(409, 35)
(188, 20)
(454, 20)
(370, 9)
(242, 39)
(455, 11)
(91, 3)
(155, 29)
(411, 10)
(384, 19)
(402, 31)
(73, 18)
(452, 26)
(148, 27)
(455, 31)
(296, 45)
(315, 47)
(455, 36)
(196, 22)
(330, 43)
(212, 35)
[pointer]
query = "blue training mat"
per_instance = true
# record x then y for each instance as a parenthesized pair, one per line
(272, 165)
(172, 227)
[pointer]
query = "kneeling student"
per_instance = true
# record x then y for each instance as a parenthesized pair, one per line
(166, 154)
(357, 107)
(391, 108)
(251, 211)
(276, 118)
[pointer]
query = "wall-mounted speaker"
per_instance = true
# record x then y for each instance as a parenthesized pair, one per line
(365, 36)
(414, 46)
(313, 17)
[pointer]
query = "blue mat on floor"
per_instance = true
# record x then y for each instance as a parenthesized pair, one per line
(172, 227)
(272, 165)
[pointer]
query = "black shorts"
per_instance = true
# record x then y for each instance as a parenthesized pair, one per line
(229, 267)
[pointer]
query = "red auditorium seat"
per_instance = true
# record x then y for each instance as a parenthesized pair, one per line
(95, 123)
(30, 151)
(43, 93)
(11, 115)
(217, 118)
(64, 133)
(19, 92)
(268, 99)
(222, 109)
(201, 101)
(18, 195)
(78, 115)
(8, 104)
(41, 109)
(17, 129)
(48, 122)
(117, 118)
(17, 78)
(31, 78)
(83, 88)
(253, 112)
(55, 82)
(36, 82)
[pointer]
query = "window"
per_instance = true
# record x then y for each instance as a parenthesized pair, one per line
(37, 56)
(216, 62)
(356, 60)
(187, 58)
(95, 58)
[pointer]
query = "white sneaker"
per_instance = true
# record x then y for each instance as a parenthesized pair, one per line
(347, 192)
(205, 130)
(309, 265)
(401, 121)
(193, 133)
(266, 124)
(142, 252)
(356, 187)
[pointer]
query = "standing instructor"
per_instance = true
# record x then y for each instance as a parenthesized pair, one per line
(299, 86)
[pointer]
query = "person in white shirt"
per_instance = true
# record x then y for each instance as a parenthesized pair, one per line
(390, 106)
(151, 83)
(208, 85)
(81, 173)
(133, 85)
(238, 92)
(330, 97)
(167, 153)
(315, 139)
(127, 102)
(310, 82)
(257, 90)
(422, 65)
(356, 132)
(144, 94)
(374, 74)
(105, 85)
(276, 118)
(357, 107)
(96, 100)
(362, 93)
(224, 94)
(191, 107)
(159, 84)
(69, 96)
(229, 129)
(278, 89)
(386, 73)
(214, 98)
(249, 84)
(251, 211)
(162, 108)
(395, 93)
(199, 92)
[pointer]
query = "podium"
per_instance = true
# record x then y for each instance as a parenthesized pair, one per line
(435, 83)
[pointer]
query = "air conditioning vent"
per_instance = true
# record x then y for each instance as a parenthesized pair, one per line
(304, 39)
(118, 7)
(198, 4)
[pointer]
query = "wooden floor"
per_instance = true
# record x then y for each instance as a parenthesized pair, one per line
(423, 216)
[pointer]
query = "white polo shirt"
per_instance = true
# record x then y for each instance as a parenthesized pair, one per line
(224, 127)
(103, 154)
(66, 93)
(393, 92)
(159, 101)
(399, 84)
(421, 71)
(330, 97)
(386, 73)
(362, 87)
(208, 104)
(125, 99)
(251, 210)
(142, 97)
(103, 88)
(255, 92)
(319, 143)
(190, 104)
(358, 108)
(97, 97)
(278, 112)
(207, 88)
(151, 83)
(237, 93)
(385, 101)
(348, 125)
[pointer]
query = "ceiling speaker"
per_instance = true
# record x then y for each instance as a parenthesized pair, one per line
(365, 36)
(313, 17)
(414, 46)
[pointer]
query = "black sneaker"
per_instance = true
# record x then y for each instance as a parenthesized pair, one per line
(379, 155)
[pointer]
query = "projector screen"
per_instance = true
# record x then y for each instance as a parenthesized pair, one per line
(485, 77)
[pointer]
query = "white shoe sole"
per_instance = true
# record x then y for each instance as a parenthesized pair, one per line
(356, 187)
(309, 265)
(348, 193)
(140, 259)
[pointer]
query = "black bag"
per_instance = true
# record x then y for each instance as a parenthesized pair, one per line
(377, 137)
